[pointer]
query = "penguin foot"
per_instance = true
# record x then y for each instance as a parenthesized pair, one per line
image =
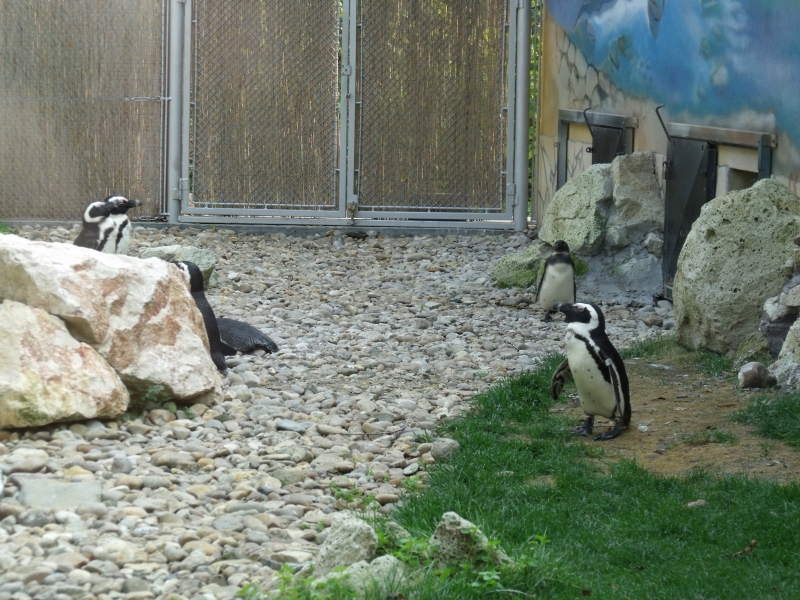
(586, 428)
(610, 435)
(548, 316)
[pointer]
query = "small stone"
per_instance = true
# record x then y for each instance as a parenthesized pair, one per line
(756, 375)
(444, 447)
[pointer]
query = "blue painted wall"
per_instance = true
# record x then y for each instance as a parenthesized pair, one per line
(709, 58)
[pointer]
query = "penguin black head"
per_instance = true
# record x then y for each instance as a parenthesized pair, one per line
(583, 315)
(560, 246)
(96, 212)
(119, 205)
(193, 274)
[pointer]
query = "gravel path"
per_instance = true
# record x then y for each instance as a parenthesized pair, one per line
(380, 338)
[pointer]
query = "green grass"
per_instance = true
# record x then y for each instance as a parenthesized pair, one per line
(665, 346)
(4, 228)
(578, 530)
(715, 436)
(776, 416)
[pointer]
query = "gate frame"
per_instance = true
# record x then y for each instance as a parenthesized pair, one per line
(517, 85)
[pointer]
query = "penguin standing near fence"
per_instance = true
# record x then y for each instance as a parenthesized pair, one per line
(557, 283)
(597, 369)
(106, 226)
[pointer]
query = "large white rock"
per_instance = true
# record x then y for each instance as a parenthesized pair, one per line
(637, 208)
(349, 541)
(138, 314)
(607, 206)
(47, 376)
(732, 261)
(578, 212)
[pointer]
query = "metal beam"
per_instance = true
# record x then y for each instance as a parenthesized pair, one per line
(522, 123)
(174, 115)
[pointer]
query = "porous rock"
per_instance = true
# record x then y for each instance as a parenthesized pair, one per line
(47, 376)
(637, 207)
(520, 269)
(138, 314)
(457, 540)
(365, 578)
(578, 212)
(731, 262)
(349, 541)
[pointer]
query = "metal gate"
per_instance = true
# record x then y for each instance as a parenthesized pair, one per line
(691, 182)
(82, 106)
(366, 110)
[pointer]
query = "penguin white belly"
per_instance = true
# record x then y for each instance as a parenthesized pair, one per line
(121, 234)
(597, 395)
(558, 285)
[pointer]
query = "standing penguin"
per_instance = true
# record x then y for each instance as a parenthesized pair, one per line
(195, 278)
(557, 283)
(106, 226)
(597, 369)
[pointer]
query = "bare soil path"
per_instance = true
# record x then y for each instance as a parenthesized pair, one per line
(682, 421)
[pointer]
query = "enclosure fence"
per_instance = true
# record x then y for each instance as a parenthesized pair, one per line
(261, 111)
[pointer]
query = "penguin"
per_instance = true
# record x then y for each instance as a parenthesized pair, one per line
(106, 226)
(597, 369)
(557, 283)
(195, 279)
(241, 337)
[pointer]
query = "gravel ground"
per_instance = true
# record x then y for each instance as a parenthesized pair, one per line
(380, 338)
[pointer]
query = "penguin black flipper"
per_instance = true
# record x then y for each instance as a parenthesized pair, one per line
(242, 337)
(195, 276)
(561, 375)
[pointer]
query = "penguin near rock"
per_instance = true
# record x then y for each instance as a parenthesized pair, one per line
(195, 279)
(236, 336)
(557, 283)
(106, 226)
(597, 369)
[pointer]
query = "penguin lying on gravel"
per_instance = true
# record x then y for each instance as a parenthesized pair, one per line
(597, 369)
(226, 337)
(195, 278)
(106, 227)
(241, 337)
(557, 283)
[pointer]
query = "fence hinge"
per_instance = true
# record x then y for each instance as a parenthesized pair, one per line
(520, 4)
(511, 193)
(352, 209)
(347, 70)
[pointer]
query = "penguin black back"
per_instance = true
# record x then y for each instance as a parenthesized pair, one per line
(238, 336)
(195, 277)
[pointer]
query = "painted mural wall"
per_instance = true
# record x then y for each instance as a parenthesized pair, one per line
(721, 63)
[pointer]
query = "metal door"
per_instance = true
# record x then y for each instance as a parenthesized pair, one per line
(691, 182)
(607, 144)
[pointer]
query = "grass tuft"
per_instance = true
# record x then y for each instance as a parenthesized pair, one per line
(666, 346)
(776, 416)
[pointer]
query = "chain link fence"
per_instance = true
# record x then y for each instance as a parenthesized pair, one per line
(81, 107)
(265, 120)
(432, 84)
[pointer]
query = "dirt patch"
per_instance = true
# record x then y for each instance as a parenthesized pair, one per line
(682, 422)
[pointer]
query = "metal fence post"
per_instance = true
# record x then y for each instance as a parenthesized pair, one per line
(522, 121)
(174, 119)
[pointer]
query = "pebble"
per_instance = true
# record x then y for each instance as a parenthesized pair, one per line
(380, 338)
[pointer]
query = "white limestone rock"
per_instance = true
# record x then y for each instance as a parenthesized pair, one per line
(138, 314)
(731, 262)
(47, 376)
(457, 540)
(637, 207)
(349, 541)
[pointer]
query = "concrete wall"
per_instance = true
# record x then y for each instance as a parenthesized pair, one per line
(718, 63)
